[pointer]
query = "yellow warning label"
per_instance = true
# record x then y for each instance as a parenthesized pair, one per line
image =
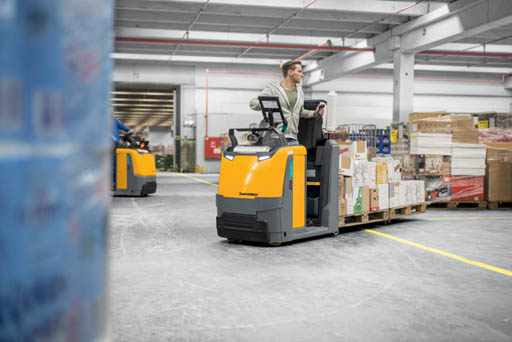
(394, 136)
(483, 124)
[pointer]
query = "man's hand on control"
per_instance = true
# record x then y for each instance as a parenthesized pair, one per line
(320, 109)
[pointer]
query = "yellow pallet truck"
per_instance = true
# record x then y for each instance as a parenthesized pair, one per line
(135, 169)
(272, 192)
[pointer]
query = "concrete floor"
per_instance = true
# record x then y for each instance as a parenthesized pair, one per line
(173, 279)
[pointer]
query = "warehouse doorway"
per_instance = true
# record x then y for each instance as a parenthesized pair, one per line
(152, 110)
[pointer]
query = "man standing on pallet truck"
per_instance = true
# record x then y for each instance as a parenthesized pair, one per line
(291, 98)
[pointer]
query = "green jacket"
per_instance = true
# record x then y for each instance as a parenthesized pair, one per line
(291, 114)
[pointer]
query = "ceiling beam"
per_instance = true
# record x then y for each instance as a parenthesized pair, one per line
(472, 20)
(359, 6)
(447, 24)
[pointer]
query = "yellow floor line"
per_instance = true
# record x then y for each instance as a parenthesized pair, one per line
(194, 178)
(437, 251)
(466, 218)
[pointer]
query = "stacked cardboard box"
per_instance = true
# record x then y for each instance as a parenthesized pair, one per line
(431, 143)
(498, 178)
(468, 160)
(438, 188)
(494, 120)
(354, 166)
(463, 128)
(373, 185)
(457, 175)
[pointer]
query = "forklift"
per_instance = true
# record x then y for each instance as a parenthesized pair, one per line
(271, 192)
(135, 168)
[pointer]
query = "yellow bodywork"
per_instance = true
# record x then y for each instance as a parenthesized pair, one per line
(143, 165)
(247, 177)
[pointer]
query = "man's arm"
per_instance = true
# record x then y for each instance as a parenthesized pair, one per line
(255, 104)
(122, 127)
(306, 113)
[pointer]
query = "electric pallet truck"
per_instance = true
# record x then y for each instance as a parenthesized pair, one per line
(272, 192)
(135, 168)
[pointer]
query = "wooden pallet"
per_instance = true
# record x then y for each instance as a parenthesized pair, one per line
(499, 205)
(459, 205)
(407, 210)
(364, 218)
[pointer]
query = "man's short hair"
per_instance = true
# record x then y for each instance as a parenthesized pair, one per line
(290, 65)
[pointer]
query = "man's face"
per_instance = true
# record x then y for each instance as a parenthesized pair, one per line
(296, 74)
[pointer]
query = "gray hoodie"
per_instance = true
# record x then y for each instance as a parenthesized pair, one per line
(292, 115)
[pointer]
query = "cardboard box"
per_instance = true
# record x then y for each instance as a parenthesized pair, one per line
(349, 203)
(487, 120)
(394, 171)
(346, 167)
(393, 194)
(469, 136)
(402, 194)
(504, 120)
(438, 188)
(348, 186)
(447, 165)
(428, 164)
(361, 173)
(467, 163)
(498, 182)
(467, 188)
(383, 196)
(372, 174)
(430, 143)
(461, 122)
(374, 199)
(342, 207)
(366, 199)
(419, 115)
(381, 173)
(499, 153)
(468, 172)
(439, 125)
(354, 149)
(361, 200)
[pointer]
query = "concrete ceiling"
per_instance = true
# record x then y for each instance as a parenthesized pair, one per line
(223, 30)
(466, 35)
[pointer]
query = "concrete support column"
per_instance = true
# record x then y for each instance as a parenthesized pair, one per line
(508, 82)
(403, 85)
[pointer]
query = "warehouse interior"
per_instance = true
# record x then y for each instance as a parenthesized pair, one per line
(402, 232)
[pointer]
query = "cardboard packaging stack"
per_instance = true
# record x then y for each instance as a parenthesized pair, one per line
(354, 167)
(367, 186)
(447, 155)
(431, 143)
(494, 120)
(468, 159)
(498, 178)
(463, 128)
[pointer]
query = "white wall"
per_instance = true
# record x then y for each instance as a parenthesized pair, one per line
(160, 136)
(360, 100)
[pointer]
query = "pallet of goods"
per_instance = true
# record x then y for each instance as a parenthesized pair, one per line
(462, 166)
(371, 190)
(498, 177)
